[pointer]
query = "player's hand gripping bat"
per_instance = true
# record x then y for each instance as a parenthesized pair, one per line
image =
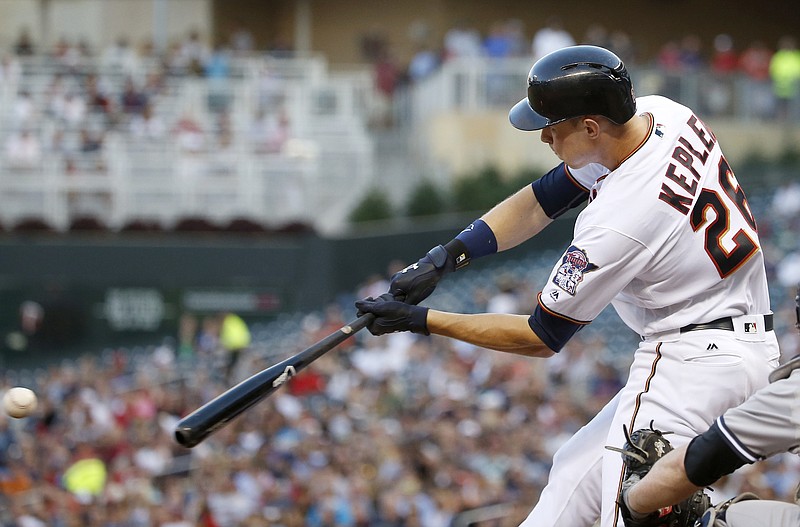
(198, 425)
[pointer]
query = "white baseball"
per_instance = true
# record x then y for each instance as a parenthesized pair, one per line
(19, 402)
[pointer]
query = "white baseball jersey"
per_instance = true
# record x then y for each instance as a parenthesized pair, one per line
(661, 234)
(669, 240)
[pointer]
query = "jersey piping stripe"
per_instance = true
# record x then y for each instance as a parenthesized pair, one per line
(633, 418)
(734, 442)
(573, 180)
(559, 315)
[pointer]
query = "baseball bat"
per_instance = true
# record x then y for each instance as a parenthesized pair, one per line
(218, 412)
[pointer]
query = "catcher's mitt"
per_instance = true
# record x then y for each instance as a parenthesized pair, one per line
(641, 451)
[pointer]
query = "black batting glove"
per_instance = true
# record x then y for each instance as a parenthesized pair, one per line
(392, 316)
(416, 282)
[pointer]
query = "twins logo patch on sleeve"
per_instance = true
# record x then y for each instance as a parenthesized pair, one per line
(573, 266)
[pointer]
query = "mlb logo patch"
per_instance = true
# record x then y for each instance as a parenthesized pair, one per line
(750, 327)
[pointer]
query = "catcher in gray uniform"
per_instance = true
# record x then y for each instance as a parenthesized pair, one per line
(766, 424)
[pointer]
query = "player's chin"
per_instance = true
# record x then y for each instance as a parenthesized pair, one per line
(565, 159)
(574, 165)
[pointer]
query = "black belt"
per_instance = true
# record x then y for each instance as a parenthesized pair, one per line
(724, 323)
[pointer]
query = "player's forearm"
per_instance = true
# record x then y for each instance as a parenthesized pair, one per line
(666, 484)
(516, 219)
(500, 332)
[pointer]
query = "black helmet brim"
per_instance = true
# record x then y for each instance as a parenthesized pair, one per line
(523, 117)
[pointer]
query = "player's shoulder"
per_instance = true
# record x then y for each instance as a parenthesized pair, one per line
(658, 104)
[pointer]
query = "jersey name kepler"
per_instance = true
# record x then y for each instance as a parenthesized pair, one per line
(574, 265)
(685, 154)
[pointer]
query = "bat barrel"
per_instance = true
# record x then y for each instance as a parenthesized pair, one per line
(218, 412)
(215, 414)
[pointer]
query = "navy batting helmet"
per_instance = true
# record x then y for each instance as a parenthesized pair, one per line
(575, 81)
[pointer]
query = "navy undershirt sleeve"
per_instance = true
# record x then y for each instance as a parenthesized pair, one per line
(557, 192)
(553, 329)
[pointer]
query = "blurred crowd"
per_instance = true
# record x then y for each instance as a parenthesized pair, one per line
(393, 431)
(79, 107)
(389, 432)
(770, 69)
(69, 100)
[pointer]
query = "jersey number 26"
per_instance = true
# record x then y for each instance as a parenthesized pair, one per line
(744, 246)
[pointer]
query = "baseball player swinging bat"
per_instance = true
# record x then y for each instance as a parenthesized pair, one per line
(215, 414)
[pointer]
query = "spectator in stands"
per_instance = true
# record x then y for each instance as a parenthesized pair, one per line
(620, 42)
(10, 72)
(269, 131)
(24, 111)
(462, 40)
(754, 63)
(86, 475)
(235, 339)
(505, 300)
(133, 100)
(754, 60)
(387, 76)
(668, 58)
(515, 29)
(551, 37)
(499, 43)
(724, 62)
(724, 59)
(425, 61)
(148, 125)
(71, 110)
(148, 51)
(155, 85)
(193, 54)
(91, 141)
(224, 153)
(241, 40)
(121, 57)
(786, 201)
(373, 43)
(690, 55)
(188, 325)
(100, 103)
(23, 150)
(70, 55)
(218, 63)
(189, 134)
(217, 69)
(24, 46)
(597, 35)
(54, 94)
(784, 71)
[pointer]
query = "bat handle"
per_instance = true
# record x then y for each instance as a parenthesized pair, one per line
(360, 323)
